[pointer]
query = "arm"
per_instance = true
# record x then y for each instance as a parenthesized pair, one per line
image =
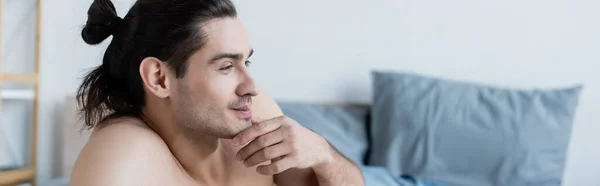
(338, 171)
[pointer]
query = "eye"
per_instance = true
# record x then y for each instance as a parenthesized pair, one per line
(248, 63)
(227, 67)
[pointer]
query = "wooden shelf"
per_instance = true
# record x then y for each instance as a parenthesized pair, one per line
(17, 94)
(26, 174)
(20, 78)
(18, 176)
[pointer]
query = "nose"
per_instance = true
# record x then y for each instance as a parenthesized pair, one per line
(247, 86)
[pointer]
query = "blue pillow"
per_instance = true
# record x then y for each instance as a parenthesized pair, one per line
(344, 127)
(461, 133)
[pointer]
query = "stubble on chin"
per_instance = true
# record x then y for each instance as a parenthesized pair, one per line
(237, 127)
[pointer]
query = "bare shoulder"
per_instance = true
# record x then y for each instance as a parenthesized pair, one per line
(264, 106)
(124, 151)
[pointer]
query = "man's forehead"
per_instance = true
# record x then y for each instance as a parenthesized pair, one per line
(224, 28)
(225, 35)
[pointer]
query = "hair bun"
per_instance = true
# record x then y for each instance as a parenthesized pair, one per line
(102, 22)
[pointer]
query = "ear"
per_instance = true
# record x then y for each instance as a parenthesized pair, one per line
(155, 78)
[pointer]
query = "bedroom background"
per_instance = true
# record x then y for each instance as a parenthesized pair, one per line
(324, 51)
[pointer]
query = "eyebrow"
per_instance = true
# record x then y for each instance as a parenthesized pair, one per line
(234, 56)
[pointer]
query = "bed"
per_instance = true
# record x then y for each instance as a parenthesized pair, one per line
(421, 129)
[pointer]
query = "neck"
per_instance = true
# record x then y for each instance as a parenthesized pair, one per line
(205, 158)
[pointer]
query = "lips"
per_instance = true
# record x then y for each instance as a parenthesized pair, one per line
(243, 108)
(243, 112)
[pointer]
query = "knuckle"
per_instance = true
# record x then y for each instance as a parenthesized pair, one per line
(292, 134)
(261, 126)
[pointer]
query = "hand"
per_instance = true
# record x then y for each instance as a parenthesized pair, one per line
(283, 141)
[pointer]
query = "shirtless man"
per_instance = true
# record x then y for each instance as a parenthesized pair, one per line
(173, 103)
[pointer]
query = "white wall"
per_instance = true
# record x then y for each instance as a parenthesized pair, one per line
(323, 51)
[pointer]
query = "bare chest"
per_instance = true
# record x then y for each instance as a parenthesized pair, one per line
(236, 178)
(234, 174)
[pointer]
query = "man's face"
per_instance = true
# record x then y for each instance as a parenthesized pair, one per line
(214, 96)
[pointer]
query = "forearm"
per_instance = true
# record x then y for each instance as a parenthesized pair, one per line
(338, 171)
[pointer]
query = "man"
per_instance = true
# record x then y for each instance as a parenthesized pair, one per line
(173, 103)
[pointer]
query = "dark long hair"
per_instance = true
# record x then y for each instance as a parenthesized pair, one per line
(169, 30)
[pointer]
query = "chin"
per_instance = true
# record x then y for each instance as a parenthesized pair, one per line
(242, 124)
(236, 126)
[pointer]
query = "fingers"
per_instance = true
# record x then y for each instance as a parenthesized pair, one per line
(277, 167)
(267, 154)
(277, 140)
(259, 143)
(256, 130)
